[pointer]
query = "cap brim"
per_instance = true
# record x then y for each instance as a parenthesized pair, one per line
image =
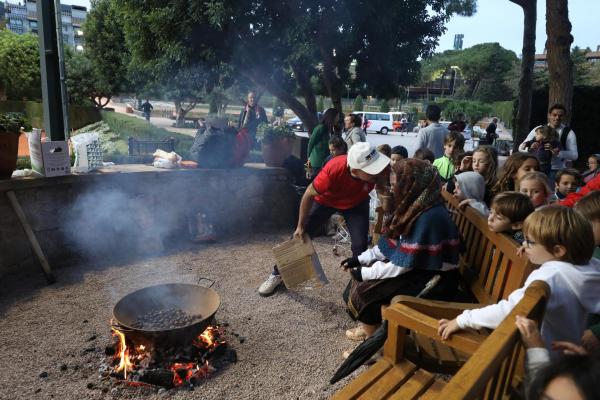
(378, 165)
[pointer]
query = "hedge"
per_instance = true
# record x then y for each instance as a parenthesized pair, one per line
(504, 110)
(79, 116)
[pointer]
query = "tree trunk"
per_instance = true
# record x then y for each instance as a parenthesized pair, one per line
(521, 126)
(308, 117)
(558, 46)
(332, 81)
(181, 109)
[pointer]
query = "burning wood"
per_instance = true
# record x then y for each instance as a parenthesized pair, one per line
(143, 364)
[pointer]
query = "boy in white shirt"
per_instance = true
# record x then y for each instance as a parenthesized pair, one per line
(557, 239)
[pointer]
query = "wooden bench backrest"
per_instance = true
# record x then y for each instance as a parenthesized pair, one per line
(490, 264)
(489, 372)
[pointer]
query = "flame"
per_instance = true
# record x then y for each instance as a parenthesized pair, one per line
(123, 354)
(207, 338)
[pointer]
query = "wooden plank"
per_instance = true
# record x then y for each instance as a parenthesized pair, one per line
(433, 392)
(393, 348)
(390, 381)
(362, 382)
(414, 387)
(35, 245)
(493, 271)
(500, 281)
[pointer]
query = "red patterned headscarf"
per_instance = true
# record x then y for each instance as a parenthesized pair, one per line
(417, 188)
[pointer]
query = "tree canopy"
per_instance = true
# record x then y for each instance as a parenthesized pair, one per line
(283, 46)
(484, 68)
(19, 65)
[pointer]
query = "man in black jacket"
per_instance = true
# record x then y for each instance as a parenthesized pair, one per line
(251, 116)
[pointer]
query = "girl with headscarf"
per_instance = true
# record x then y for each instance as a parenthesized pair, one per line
(419, 242)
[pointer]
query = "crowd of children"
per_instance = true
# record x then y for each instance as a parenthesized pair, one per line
(519, 200)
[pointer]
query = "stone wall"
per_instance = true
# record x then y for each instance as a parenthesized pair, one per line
(138, 210)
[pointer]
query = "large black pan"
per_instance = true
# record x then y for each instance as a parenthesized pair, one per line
(192, 299)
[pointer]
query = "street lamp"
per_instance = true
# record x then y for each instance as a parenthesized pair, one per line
(454, 69)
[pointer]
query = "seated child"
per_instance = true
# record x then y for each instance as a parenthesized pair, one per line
(485, 163)
(453, 143)
(593, 164)
(469, 189)
(508, 212)
(589, 207)
(399, 153)
(566, 181)
(557, 239)
(515, 167)
(337, 147)
(385, 149)
(424, 154)
(543, 146)
(535, 185)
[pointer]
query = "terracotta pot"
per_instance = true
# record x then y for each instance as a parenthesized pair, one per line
(9, 148)
(275, 151)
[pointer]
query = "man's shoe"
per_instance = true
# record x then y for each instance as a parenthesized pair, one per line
(270, 285)
(357, 334)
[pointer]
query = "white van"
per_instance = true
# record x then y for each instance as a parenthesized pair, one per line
(380, 122)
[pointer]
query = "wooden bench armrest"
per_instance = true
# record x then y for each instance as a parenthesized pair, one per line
(433, 308)
(401, 315)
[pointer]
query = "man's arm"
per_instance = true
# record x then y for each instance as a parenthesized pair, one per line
(523, 146)
(570, 153)
(421, 139)
(305, 206)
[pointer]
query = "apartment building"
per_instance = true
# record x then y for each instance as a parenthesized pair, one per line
(21, 17)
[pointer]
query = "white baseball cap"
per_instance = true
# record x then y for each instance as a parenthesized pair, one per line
(364, 156)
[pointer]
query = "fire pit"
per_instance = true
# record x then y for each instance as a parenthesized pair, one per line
(164, 337)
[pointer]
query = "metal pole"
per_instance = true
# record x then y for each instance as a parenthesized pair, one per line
(54, 97)
(62, 69)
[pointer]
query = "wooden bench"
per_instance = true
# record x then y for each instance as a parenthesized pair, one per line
(488, 374)
(491, 270)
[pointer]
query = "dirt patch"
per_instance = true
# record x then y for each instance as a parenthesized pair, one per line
(53, 337)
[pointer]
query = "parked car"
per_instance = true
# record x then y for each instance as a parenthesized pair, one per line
(296, 123)
(377, 122)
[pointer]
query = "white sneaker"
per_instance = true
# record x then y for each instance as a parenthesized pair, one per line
(270, 285)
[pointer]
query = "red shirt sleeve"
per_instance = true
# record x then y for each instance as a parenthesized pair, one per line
(573, 198)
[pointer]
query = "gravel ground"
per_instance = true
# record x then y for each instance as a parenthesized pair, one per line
(53, 337)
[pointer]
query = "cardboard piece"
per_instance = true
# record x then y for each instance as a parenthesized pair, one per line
(298, 262)
(48, 158)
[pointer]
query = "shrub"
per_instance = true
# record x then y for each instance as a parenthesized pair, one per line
(358, 103)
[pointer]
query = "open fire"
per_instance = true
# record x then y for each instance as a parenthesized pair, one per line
(137, 364)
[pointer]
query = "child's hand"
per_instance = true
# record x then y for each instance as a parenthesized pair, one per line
(521, 250)
(568, 348)
(530, 334)
(466, 164)
(589, 341)
(463, 204)
(447, 328)
(534, 146)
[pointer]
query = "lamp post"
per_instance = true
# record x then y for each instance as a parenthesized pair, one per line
(454, 69)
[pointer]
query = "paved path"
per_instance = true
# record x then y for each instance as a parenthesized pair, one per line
(159, 122)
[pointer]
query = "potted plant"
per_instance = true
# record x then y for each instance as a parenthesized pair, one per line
(277, 142)
(11, 125)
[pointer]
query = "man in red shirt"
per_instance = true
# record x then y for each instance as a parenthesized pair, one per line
(343, 185)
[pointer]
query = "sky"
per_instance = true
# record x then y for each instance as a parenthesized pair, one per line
(502, 21)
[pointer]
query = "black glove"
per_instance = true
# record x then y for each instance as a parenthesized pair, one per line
(356, 273)
(351, 262)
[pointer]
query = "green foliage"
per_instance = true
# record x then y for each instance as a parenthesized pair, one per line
(384, 106)
(106, 50)
(504, 110)
(473, 111)
(484, 67)
(13, 122)
(19, 65)
(23, 163)
(358, 103)
(78, 115)
(267, 132)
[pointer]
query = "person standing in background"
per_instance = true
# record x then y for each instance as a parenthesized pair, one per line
(432, 137)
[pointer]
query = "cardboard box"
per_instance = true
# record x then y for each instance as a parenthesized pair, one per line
(48, 158)
(298, 263)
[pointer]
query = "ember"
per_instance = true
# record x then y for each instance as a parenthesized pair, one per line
(149, 363)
